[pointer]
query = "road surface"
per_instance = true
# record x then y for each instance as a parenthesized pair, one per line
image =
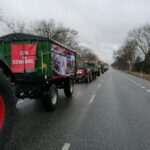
(110, 113)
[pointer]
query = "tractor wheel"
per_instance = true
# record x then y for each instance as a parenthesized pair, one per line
(87, 79)
(69, 87)
(91, 78)
(7, 110)
(95, 76)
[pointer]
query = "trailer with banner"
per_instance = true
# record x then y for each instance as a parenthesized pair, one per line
(39, 66)
(32, 67)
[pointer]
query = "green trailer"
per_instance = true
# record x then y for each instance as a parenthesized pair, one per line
(32, 67)
(37, 66)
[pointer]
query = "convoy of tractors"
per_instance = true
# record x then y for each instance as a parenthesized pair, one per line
(87, 71)
(36, 67)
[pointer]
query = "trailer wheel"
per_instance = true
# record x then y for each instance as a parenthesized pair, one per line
(87, 79)
(98, 74)
(95, 76)
(51, 99)
(7, 110)
(90, 78)
(69, 87)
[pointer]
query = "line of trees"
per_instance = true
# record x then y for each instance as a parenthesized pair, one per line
(52, 29)
(134, 55)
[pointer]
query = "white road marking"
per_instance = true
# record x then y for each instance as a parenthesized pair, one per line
(128, 78)
(27, 101)
(99, 86)
(20, 101)
(66, 146)
(92, 98)
(148, 90)
(143, 87)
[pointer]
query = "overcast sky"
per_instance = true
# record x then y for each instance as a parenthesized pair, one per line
(102, 24)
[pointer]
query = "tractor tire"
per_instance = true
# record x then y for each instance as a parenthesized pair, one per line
(90, 78)
(87, 79)
(7, 110)
(69, 87)
(50, 100)
(95, 76)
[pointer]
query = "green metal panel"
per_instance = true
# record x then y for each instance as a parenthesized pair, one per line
(92, 66)
(43, 55)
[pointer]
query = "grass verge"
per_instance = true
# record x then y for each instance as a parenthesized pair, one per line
(140, 75)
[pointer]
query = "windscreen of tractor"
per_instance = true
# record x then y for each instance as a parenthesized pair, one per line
(80, 65)
(92, 65)
(23, 57)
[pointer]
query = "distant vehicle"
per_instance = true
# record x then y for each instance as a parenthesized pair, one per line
(93, 67)
(98, 70)
(102, 68)
(106, 67)
(84, 72)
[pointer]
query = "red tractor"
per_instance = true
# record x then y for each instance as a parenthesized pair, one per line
(83, 72)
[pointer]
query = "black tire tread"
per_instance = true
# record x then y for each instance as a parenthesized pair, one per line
(47, 102)
(10, 106)
(67, 88)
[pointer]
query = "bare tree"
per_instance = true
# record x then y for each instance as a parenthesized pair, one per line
(125, 56)
(15, 26)
(56, 31)
(44, 28)
(87, 54)
(141, 36)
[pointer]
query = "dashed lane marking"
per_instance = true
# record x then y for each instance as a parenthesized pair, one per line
(20, 101)
(92, 99)
(128, 78)
(66, 146)
(143, 87)
(148, 90)
(99, 86)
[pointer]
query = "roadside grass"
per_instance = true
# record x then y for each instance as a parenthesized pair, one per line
(140, 75)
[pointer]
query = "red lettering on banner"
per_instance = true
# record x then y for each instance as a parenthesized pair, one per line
(23, 57)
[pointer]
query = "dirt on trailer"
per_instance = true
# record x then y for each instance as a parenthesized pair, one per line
(140, 75)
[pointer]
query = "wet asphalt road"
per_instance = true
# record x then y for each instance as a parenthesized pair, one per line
(110, 113)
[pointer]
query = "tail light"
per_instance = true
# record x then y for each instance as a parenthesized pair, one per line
(80, 71)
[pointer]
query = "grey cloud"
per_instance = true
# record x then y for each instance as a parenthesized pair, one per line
(103, 24)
